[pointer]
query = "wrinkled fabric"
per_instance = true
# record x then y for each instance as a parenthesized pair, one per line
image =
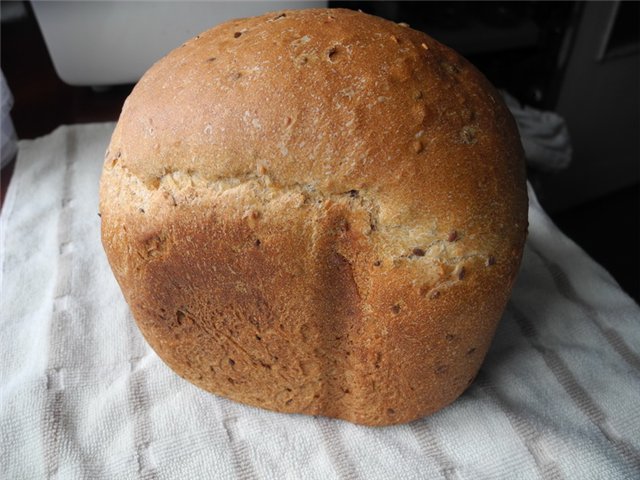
(8, 138)
(83, 396)
(544, 135)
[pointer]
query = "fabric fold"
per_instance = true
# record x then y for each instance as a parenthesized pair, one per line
(83, 396)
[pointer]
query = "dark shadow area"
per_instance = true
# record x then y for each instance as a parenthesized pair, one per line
(608, 230)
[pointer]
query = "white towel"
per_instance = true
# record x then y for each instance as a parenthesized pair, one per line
(544, 135)
(8, 138)
(83, 396)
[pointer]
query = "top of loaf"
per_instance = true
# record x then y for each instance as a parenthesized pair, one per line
(335, 101)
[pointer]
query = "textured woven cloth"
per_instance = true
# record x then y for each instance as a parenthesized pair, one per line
(83, 396)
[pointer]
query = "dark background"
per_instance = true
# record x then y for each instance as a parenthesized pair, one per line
(580, 59)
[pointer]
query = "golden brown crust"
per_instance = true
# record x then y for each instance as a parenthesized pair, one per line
(317, 211)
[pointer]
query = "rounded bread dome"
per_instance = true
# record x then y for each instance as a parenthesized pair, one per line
(317, 211)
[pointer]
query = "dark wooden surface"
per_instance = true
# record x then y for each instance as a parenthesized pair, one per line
(606, 228)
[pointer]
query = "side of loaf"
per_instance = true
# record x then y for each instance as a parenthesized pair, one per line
(319, 212)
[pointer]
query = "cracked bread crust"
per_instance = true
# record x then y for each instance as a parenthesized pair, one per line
(317, 211)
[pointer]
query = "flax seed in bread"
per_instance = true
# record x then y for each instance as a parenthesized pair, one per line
(317, 211)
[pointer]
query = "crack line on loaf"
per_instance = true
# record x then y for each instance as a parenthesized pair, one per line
(175, 180)
(178, 184)
(197, 179)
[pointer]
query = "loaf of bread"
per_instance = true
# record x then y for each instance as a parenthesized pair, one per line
(319, 212)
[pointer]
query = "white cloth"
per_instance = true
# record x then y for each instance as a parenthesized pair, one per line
(83, 396)
(8, 138)
(544, 135)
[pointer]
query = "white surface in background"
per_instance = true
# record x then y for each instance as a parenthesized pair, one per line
(115, 42)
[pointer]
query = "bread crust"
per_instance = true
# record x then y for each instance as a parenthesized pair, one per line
(317, 211)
